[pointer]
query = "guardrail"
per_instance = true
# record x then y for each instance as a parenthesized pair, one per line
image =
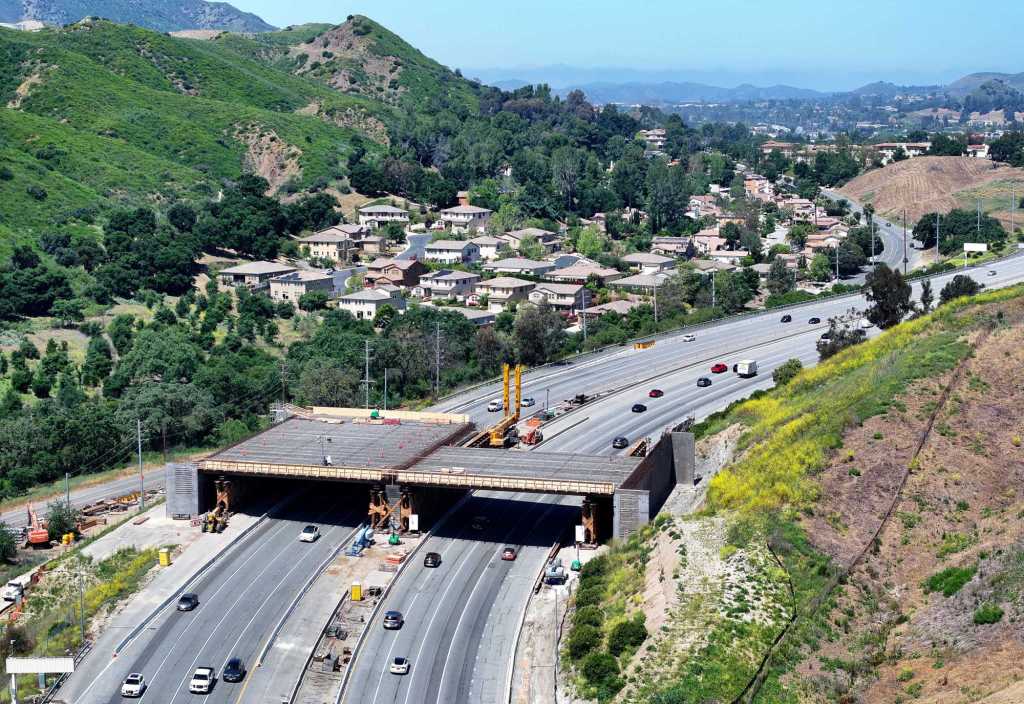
(715, 322)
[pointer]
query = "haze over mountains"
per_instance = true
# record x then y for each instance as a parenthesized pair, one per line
(160, 15)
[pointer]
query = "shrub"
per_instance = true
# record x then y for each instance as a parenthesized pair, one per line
(588, 616)
(583, 640)
(949, 580)
(988, 613)
(784, 373)
(599, 667)
(590, 595)
(628, 634)
(6, 174)
(37, 192)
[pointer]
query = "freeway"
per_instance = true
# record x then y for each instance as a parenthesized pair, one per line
(240, 602)
(474, 592)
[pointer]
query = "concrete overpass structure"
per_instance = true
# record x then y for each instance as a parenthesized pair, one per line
(409, 460)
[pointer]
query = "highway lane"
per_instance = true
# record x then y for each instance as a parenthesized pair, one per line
(490, 610)
(446, 608)
(612, 368)
(240, 603)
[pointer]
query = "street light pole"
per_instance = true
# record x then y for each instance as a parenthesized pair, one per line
(142, 483)
(905, 258)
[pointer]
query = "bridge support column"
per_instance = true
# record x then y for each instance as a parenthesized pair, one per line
(379, 511)
(596, 515)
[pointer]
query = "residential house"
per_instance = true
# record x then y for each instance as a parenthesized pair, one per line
(621, 307)
(376, 215)
(640, 283)
(488, 246)
(887, 150)
(729, 257)
(670, 246)
(708, 240)
(405, 273)
(581, 273)
(520, 266)
(373, 244)
(655, 138)
(330, 244)
(254, 275)
(466, 217)
(447, 283)
(703, 266)
(647, 263)
(546, 239)
(701, 206)
(366, 303)
(785, 148)
(480, 318)
(762, 270)
(503, 290)
(562, 297)
(977, 151)
(292, 286)
(452, 252)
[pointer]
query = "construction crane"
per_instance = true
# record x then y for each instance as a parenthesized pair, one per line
(38, 536)
(499, 434)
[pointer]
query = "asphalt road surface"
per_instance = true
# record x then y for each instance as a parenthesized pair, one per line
(474, 592)
(240, 603)
(890, 233)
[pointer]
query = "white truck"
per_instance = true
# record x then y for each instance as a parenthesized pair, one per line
(746, 368)
(13, 591)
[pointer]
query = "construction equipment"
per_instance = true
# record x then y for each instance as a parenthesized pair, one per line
(364, 539)
(503, 433)
(554, 573)
(533, 437)
(38, 535)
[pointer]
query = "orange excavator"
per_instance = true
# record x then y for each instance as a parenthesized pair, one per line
(38, 536)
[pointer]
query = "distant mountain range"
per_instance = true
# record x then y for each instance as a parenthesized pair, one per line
(681, 92)
(159, 15)
(973, 81)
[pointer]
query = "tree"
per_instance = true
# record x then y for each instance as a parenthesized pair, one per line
(539, 334)
(947, 145)
(927, 297)
(8, 543)
(798, 234)
(182, 216)
(627, 634)
(61, 518)
(1009, 149)
(328, 382)
(10, 404)
(839, 338)
(384, 316)
(68, 311)
(784, 373)
(590, 242)
(780, 278)
(957, 227)
(567, 166)
(98, 362)
(960, 285)
(821, 268)
(122, 332)
(313, 300)
(889, 296)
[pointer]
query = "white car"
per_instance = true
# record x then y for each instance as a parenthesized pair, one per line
(309, 534)
(202, 681)
(399, 666)
(133, 685)
(12, 591)
(527, 402)
(689, 338)
(495, 405)
(992, 272)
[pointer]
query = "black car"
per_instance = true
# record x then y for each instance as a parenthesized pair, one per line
(187, 602)
(639, 408)
(814, 321)
(432, 559)
(620, 443)
(703, 381)
(787, 318)
(234, 671)
(827, 335)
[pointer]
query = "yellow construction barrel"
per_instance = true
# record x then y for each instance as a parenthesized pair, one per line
(165, 557)
(357, 591)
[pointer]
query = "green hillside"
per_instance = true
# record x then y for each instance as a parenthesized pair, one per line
(133, 116)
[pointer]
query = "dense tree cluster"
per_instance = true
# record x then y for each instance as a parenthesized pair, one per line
(957, 227)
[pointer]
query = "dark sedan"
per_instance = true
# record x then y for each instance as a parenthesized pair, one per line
(188, 602)
(703, 381)
(639, 408)
(620, 443)
(234, 671)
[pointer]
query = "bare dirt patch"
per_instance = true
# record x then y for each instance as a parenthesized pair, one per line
(890, 637)
(350, 118)
(930, 184)
(269, 156)
(24, 89)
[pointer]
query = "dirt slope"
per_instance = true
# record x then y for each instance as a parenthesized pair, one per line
(930, 183)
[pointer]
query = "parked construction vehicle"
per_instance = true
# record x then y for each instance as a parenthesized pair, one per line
(503, 433)
(554, 573)
(38, 536)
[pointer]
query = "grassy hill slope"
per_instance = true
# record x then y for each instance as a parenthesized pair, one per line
(135, 116)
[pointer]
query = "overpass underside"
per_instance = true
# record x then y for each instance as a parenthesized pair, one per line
(411, 461)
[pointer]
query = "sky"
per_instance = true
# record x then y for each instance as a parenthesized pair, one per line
(822, 44)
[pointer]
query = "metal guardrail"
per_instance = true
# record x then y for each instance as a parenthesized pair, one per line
(684, 329)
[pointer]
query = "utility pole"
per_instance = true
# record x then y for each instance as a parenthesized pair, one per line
(67, 489)
(873, 261)
(437, 360)
(905, 259)
(938, 234)
(1013, 206)
(366, 379)
(163, 435)
(837, 263)
(655, 299)
(713, 303)
(385, 388)
(584, 316)
(979, 219)
(142, 482)
(81, 603)
(284, 383)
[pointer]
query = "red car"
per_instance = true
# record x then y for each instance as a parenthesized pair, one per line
(656, 393)
(720, 368)
(508, 554)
